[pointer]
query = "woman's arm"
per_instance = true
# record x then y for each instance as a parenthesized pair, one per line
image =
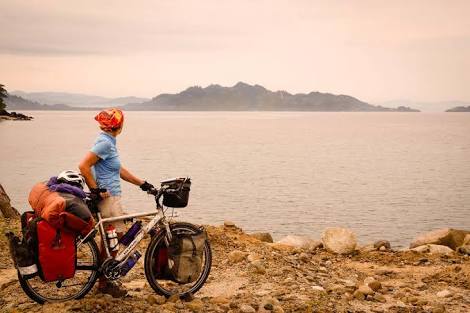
(85, 165)
(129, 177)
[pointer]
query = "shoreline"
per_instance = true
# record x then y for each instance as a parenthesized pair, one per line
(14, 116)
(252, 275)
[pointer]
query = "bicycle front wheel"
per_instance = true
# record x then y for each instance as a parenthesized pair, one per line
(87, 271)
(165, 286)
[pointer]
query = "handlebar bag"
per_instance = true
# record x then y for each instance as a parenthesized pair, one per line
(180, 196)
(185, 256)
(55, 251)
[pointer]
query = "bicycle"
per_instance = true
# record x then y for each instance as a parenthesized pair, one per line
(89, 268)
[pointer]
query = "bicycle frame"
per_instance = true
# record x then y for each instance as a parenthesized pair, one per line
(122, 256)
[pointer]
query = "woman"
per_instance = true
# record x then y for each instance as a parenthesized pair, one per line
(103, 172)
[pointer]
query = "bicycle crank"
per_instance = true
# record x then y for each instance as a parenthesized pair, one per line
(111, 269)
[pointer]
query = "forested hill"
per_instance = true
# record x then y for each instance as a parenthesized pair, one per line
(244, 97)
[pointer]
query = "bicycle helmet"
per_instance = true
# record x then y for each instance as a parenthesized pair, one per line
(71, 177)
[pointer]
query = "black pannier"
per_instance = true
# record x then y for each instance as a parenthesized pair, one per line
(177, 193)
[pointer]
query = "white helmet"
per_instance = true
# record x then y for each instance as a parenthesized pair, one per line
(71, 177)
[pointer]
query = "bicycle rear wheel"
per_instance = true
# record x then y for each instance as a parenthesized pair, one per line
(168, 287)
(87, 271)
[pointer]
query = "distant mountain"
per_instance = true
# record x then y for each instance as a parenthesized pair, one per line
(244, 97)
(76, 100)
(16, 103)
(439, 106)
(460, 109)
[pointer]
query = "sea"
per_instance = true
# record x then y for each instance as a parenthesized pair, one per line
(384, 175)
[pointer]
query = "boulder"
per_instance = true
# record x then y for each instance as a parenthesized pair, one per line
(382, 244)
(300, 242)
(466, 240)
(6, 210)
(433, 249)
(449, 237)
(264, 237)
(464, 249)
(339, 240)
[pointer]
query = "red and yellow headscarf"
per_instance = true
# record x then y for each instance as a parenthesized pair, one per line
(110, 119)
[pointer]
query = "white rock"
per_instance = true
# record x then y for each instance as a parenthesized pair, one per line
(444, 293)
(433, 249)
(300, 242)
(245, 308)
(339, 240)
(369, 280)
(449, 237)
(318, 288)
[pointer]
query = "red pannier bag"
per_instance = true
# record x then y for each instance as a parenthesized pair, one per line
(162, 271)
(56, 252)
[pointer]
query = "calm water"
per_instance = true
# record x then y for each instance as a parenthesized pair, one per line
(385, 175)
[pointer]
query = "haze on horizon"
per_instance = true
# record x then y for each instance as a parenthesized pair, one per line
(372, 50)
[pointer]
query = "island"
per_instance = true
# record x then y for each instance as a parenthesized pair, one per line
(460, 109)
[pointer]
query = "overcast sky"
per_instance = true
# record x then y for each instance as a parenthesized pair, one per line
(373, 50)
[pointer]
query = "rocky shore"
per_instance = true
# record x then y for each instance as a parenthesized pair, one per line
(297, 274)
(4, 115)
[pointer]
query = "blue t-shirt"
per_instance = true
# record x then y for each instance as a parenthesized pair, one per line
(107, 169)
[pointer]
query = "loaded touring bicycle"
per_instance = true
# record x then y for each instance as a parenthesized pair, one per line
(177, 259)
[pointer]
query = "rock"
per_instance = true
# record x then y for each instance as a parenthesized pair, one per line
(464, 249)
(466, 240)
(359, 295)
(156, 299)
(268, 306)
(365, 290)
(196, 305)
(219, 300)
(278, 309)
(264, 237)
(444, 294)
(304, 257)
(449, 237)
(229, 224)
(6, 210)
(433, 249)
(348, 283)
(438, 308)
(301, 242)
(382, 244)
(375, 285)
(245, 308)
(368, 280)
(379, 298)
(258, 267)
(318, 288)
(339, 240)
(236, 256)
(173, 298)
(367, 248)
(253, 257)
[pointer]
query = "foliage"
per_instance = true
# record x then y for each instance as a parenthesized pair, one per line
(3, 94)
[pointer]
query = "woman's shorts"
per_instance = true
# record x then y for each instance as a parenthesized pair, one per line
(111, 207)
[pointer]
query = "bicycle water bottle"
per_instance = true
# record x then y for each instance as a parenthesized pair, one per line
(112, 237)
(131, 233)
(131, 261)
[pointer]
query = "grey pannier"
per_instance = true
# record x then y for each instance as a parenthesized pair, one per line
(185, 256)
